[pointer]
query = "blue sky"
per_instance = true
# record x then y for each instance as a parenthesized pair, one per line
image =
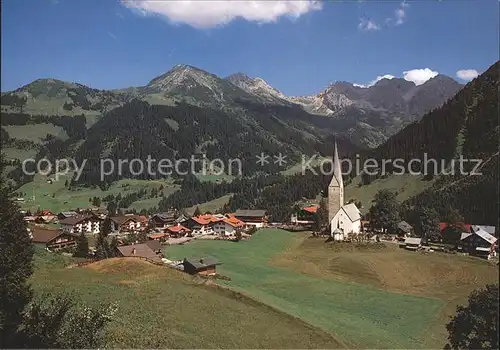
(299, 48)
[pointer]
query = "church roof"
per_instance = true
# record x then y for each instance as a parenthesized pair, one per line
(337, 171)
(352, 212)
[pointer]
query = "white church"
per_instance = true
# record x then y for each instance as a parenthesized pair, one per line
(344, 220)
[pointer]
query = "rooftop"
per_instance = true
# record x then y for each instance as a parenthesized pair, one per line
(199, 263)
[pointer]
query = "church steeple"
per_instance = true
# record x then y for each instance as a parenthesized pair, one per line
(336, 187)
(337, 170)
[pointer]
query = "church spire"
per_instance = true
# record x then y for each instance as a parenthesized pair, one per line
(336, 187)
(337, 170)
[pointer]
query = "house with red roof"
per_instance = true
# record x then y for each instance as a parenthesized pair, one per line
(201, 225)
(227, 227)
(305, 216)
(177, 231)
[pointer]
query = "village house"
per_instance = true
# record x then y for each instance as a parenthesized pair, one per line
(254, 217)
(30, 218)
(227, 226)
(50, 238)
(163, 220)
(182, 219)
(146, 251)
(159, 236)
(45, 217)
(200, 266)
(177, 231)
(479, 243)
(412, 243)
(201, 225)
(490, 229)
(404, 229)
(125, 223)
(66, 214)
(45, 212)
(305, 216)
(99, 212)
(141, 219)
(81, 223)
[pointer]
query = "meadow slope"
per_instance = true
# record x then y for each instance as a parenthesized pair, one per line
(361, 314)
(159, 307)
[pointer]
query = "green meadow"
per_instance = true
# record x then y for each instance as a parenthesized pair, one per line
(359, 314)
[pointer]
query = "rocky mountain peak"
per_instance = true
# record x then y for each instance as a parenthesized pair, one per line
(256, 86)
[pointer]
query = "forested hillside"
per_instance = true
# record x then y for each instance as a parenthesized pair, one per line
(138, 129)
(466, 125)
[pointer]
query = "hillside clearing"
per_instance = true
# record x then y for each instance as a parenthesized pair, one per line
(159, 307)
(344, 307)
(57, 197)
(407, 186)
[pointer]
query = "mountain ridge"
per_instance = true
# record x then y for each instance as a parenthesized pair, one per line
(366, 116)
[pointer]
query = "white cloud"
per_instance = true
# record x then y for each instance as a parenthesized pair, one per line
(112, 36)
(467, 74)
(399, 15)
(373, 82)
(368, 25)
(419, 76)
(208, 14)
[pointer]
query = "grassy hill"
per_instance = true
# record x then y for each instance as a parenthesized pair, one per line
(405, 185)
(57, 197)
(159, 307)
(342, 293)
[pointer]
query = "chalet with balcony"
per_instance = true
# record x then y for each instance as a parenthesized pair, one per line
(164, 220)
(252, 217)
(50, 238)
(479, 243)
(125, 223)
(227, 227)
(81, 223)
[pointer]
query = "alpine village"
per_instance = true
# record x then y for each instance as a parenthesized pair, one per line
(287, 247)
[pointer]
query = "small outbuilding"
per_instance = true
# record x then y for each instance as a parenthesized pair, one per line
(412, 243)
(404, 229)
(200, 266)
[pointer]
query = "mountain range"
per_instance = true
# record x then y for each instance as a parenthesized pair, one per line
(188, 110)
(466, 126)
(365, 116)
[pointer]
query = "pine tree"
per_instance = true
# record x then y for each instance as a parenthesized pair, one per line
(197, 211)
(16, 251)
(322, 216)
(82, 247)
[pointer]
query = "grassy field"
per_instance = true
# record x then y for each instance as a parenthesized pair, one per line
(407, 186)
(446, 277)
(57, 197)
(342, 294)
(215, 178)
(211, 206)
(16, 153)
(297, 168)
(36, 132)
(159, 307)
